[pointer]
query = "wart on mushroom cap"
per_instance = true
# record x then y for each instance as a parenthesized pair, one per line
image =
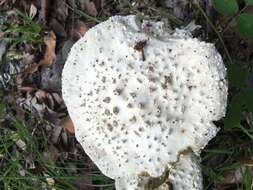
(139, 98)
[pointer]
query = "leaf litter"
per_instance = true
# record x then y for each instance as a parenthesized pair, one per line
(30, 75)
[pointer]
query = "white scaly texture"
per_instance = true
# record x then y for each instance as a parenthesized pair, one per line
(186, 173)
(140, 96)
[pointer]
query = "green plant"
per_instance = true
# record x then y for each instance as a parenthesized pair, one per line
(247, 179)
(244, 24)
(27, 161)
(227, 7)
(228, 150)
(241, 105)
(26, 30)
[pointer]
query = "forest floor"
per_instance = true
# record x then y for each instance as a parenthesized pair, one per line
(38, 149)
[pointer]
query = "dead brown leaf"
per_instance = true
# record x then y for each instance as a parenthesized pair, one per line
(19, 81)
(32, 69)
(50, 101)
(46, 98)
(1, 33)
(141, 3)
(41, 94)
(29, 64)
(99, 4)
(33, 10)
(246, 161)
(2, 2)
(44, 10)
(67, 124)
(233, 176)
(21, 144)
(89, 7)
(80, 28)
(58, 99)
(26, 89)
(236, 176)
(56, 134)
(83, 28)
(58, 28)
(64, 138)
(61, 10)
(49, 56)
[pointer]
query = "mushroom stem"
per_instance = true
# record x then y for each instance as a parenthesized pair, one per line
(143, 181)
(186, 173)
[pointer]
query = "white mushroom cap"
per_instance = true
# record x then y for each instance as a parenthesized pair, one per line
(139, 96)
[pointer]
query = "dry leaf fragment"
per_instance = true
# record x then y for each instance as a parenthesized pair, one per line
(21, 144)
(91, 9)
(2, 2)
(139, 46)
(58, 99)
(44, 10)
(83, 28)
(79, 30)
(32, 69)
(49, 56)
(50, 180)
(67, 123)
(1, 33)
(26, 89)
(61, 10)
(236, 176)
(22, 172)
(246, 161)
(33, 10)
(41, 94)
(58, 28)
(45, 97)
(56, 134)
(64, 138)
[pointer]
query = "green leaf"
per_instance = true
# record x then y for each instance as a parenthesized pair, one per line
(248, 94)
(247, 179)
(226, 7)
(237, 76)
(244, 24)
(234, 114)
(249, 2)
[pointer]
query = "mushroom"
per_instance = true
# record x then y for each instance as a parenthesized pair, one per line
(143, 100)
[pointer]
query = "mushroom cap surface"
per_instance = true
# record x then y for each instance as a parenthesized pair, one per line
(139, 95)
